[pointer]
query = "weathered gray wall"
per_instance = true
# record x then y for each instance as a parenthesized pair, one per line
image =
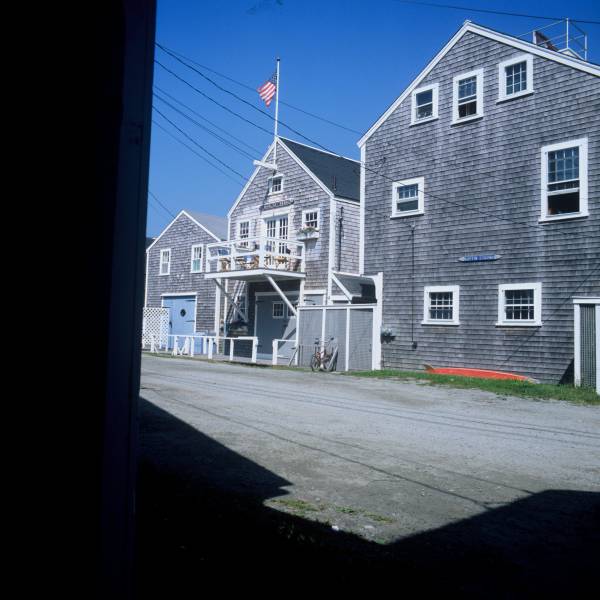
(306, 193)
(491, 165)
(180, 237)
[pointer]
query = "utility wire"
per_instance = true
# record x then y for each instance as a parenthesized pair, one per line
(236, 181)
(212, 99)
(493, 12)
(210, 131)
(196, 143)
(161, 204)
(367, 168)
(248, 87)
(187, 107)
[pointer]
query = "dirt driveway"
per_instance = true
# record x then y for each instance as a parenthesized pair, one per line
(370, 473)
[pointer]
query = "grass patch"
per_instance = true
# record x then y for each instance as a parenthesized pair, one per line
(505, 387)
(297, 505)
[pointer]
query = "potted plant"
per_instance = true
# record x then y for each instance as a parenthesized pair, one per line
(308, 233)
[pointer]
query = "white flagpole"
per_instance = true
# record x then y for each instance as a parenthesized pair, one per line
(276, 112)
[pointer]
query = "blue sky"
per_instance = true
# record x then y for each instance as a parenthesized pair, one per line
(346, 61)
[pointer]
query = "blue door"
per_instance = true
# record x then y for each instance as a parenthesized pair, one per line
(182, 316)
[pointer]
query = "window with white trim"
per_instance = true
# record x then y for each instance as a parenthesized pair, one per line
(441, 305)
(515, 77)
(564, 180)
(278, 310)
(196, 258)
(165, 262)
(467, 97)
(408, 197)
(425, 104)
(520, 304)
(276, 184)
(243, 230)
(310, 218)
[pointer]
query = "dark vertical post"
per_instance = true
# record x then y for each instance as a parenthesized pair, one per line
(116, 273)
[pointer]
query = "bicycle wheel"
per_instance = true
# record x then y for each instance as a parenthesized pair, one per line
(314, 363)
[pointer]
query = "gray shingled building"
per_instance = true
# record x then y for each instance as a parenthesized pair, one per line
(480, 203)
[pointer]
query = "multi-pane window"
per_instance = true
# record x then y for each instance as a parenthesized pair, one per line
(276, 184)
(310, 218)
(196, 258)
(277, 228)
(564, 180)
(408, 197)
(244, 230)
(278, 311)
(515, 77)
(165, 262)
(441, 305)
(519, 304)
(425, 104)
(468, 96)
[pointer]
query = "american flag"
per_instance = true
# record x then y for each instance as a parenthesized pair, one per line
(267, 90)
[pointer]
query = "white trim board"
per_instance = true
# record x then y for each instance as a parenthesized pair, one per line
(182, 212)
(490, 34)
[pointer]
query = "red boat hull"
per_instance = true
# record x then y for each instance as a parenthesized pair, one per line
(481, 373)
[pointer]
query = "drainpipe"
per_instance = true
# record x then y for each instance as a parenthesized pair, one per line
(340, 220)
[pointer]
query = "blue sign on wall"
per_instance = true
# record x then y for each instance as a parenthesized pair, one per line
(479, 258)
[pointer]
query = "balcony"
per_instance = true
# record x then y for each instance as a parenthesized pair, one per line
(251, 259)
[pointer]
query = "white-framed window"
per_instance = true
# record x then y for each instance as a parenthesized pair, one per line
(520, 304)
(278, 310)
(515, 77)
(467, 96)
(441, 305)
(165, 261)
(408, 197)
(243, 230)
(424, 105)
(196, 258)
(310, 218)
(276, 184)
(565, 180)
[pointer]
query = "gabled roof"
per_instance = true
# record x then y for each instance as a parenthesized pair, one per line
(341, 176)
(213, 225)
(321, 166)
(509, 40)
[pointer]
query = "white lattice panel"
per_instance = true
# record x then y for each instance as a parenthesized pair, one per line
(155, 325)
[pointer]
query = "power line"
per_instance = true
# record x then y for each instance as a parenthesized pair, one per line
(207, 120)
(494, 12)
(196, 143)
(429, 194)
(160, 203)
(270, 133)
(210, 131)
(196, 153)
(250, 88)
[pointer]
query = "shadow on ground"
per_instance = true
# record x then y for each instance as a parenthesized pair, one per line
(201, 522)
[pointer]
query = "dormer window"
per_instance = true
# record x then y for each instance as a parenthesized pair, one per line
(425, 104)
(467, 99)
(515, 77)
(276, 184)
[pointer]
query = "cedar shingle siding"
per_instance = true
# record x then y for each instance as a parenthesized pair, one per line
(180, 237)
(493, 165)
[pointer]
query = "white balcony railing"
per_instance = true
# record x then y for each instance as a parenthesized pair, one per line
(255, 253)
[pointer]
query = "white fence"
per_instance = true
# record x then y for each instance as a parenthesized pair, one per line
(155, 327)
(204, 345)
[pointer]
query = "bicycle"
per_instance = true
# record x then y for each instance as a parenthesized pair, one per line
(325, 355)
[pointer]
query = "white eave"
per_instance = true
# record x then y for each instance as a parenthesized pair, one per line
(183, 212)
(528, 47)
